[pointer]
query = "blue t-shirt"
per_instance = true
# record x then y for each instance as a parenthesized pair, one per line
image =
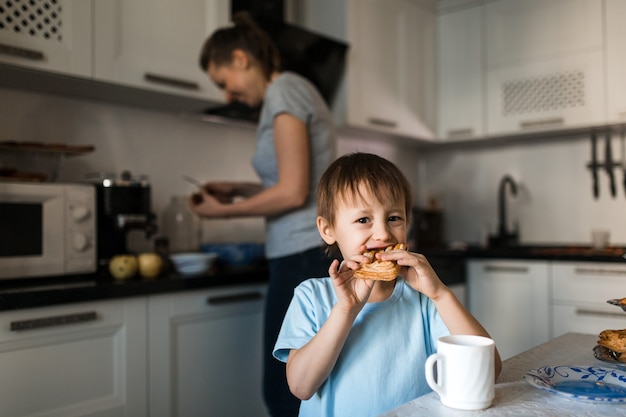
(381, 365)
(294, 231)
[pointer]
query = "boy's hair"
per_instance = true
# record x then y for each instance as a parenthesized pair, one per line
(246, 35)
(342, 179)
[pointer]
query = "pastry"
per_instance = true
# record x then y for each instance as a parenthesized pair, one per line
(377, 269)
(615, 341)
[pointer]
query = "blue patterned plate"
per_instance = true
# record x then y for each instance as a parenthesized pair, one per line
(588, 383)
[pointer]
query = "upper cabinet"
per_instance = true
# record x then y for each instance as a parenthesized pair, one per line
(544, 65)
(49, 35)
(155, 44)
(390, 77)
(460, 68)
(615, 10)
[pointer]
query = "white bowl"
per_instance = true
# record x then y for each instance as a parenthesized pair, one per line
(193, 263)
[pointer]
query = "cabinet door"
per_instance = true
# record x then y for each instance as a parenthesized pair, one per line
(579, 294)
(79, 360)
(519, 32)
(546, 95)
(510, 299)
(545, 65)
(205, 353)
(155, 44)
(388, 70)
(460, 71)
(47, 35)
(615, 10)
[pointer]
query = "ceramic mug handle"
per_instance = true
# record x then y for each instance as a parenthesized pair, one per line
(429, 370)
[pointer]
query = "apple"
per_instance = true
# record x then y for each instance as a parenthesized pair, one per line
(123, 266)
(150, 264)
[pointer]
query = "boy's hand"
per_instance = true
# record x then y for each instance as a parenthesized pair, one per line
(419, 274)
(352, 293)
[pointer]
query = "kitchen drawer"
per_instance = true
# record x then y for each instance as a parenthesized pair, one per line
(587, 282)
(84, 359)
(586, 319)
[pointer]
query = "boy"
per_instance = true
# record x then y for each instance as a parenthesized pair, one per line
(357, 347)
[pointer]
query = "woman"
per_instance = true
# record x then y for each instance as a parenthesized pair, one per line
(295, 142)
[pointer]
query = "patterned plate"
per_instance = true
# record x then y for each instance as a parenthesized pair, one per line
(588, 383)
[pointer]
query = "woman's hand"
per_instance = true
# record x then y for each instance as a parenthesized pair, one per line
(208, 205)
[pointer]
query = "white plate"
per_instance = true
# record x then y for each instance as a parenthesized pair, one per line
(588, 383)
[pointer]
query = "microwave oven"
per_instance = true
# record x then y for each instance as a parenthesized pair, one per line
(47, 229)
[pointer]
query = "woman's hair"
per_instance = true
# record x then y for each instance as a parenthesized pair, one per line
(246, 35)
(342, 179)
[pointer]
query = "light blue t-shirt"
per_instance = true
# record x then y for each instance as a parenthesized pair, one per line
(381, 365)
(295, 231)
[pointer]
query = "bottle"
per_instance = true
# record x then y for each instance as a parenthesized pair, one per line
(180, 225)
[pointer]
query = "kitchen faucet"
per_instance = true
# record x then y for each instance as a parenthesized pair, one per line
(504, 237)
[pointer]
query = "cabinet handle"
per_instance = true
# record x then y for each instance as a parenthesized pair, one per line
(21, 52)
(506, 268)
(172, 82)
(453, 133)
(235, 298)
(541, 122)
(53, 321)
(599, 271)
(585, 312)
(381, 122)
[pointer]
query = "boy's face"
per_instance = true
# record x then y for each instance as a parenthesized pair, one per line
(365, 221)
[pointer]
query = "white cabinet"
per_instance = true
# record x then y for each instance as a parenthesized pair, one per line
(460, 64)
(579, 294)
(545, 65)
(615, 10)
(155, 44)
(390, 83)
(85, 359)
(390, 75)
(205, 353)
(50, 35)
(510, 299)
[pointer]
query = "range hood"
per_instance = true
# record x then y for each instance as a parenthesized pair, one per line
(318, 58)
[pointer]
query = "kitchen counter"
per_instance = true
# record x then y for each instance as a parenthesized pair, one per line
(29, 293)
(539, 252)
(515, 397)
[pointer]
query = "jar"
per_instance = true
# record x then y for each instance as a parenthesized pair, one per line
(180, 225)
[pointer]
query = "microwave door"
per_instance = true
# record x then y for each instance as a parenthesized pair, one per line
(29, 228)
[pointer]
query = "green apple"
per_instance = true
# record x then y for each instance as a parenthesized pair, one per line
(150, 264)
(123, 266)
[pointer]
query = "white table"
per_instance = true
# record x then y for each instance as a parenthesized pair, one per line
(515, 397)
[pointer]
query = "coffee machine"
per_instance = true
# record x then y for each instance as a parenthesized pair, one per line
(123, 205)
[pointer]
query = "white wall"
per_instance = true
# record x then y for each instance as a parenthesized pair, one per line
(555, 203)
(161, 145)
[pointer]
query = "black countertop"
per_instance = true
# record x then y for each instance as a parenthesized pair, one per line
(449, 264)
(29, 293)
(532, 252)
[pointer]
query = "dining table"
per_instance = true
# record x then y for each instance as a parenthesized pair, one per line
(516, 397)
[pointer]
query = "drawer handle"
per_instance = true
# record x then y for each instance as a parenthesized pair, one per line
(585, 312)
(235, 298)
(21, 52)
(455, 133)
(505, 268)
(541, 122)
(172, 82)
(600, 271)
(53, 321)
(381, 122)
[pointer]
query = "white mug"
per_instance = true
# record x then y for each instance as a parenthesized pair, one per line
(465, 371)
